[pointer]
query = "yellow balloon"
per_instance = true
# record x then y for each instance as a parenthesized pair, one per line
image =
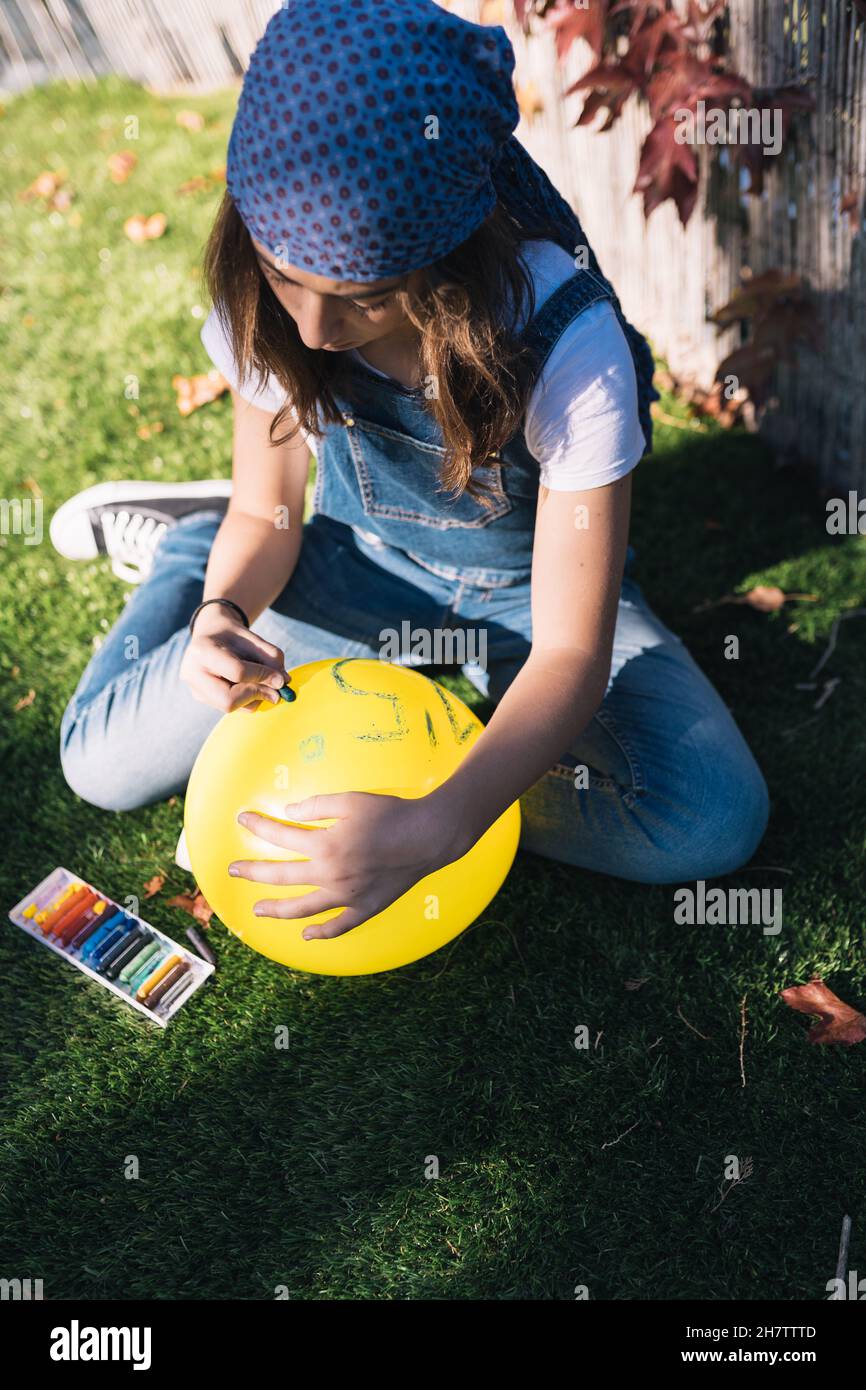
(355, 725)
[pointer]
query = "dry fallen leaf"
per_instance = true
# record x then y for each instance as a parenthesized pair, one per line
(767, 598)
(195, 391)
(121, 165)
(839, 1022)
(764, 598)
(190, 120)
(24, 702)
(32, 486)
(153, 885)
(196, 907)
(139, 228)
(200, 184)
(45, 185)
(49, 187)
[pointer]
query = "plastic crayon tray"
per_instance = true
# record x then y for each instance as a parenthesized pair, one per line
(121, 951)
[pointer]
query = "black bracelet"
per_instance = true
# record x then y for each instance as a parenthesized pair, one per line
(229, 603)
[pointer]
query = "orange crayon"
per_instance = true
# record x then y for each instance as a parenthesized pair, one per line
(75, 910)
(50, 920)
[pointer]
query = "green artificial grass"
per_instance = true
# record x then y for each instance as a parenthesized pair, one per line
(304, 1169)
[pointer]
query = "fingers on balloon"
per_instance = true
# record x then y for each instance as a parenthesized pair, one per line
(303, 905)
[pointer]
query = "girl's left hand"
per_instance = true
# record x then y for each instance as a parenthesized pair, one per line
(378, 847)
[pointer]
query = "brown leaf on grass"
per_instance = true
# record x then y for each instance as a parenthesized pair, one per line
(190, 120)
(121, 165)
(764, 598)
(200, 184)
(195, 391)
(196, 907)
(839, 1023)
(153, 885)
(49, 187)
(32, 486)
(767, 598)
(203, 183)
(24, 702)
(139, 228)
(45, 185)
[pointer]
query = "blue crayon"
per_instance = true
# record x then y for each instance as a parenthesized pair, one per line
(98, 937)
(127, 942)
(104, 949)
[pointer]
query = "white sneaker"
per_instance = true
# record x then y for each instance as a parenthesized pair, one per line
(126, 521)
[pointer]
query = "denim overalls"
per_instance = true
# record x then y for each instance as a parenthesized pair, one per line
(378, 471)
(673, 791)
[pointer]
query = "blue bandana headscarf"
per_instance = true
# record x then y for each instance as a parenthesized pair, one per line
(365, 133)
(372, 137)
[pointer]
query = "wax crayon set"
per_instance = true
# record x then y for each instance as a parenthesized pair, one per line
(120, 950)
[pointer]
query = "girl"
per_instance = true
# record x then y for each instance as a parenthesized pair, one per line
(398, 287)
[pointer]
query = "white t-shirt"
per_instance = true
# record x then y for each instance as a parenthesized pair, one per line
(581, 420)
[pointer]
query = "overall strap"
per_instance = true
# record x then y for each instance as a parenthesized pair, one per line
(582, 289)
(574, 295)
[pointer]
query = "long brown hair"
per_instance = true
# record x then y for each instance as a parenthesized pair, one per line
(482, 373)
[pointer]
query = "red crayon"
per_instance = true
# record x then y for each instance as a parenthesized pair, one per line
(80, 921)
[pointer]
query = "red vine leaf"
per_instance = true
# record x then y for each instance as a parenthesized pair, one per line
(667, 169)
(609, 85)
(662, 35)
(839, 1023)
(688, 80)
(571, 24)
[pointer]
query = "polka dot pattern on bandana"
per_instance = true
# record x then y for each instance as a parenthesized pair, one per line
(365, 133)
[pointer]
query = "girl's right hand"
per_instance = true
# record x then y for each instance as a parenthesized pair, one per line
(227, 666)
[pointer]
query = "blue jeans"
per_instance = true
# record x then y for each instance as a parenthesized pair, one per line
(673, 791)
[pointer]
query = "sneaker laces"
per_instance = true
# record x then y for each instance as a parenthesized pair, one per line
(130, 541)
